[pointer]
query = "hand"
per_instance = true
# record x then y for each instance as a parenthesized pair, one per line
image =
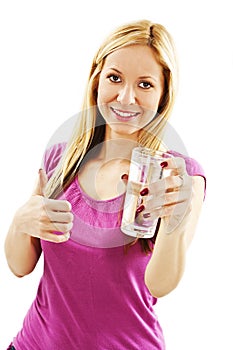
(44, 218)
(168, 198)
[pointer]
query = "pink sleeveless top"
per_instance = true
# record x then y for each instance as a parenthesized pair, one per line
(92, 294)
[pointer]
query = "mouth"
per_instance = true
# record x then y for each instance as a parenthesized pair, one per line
(124, 115)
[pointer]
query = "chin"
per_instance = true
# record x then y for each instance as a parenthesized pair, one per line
(125, 130)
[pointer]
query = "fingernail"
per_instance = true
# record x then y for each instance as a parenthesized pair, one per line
(124, 177)
(164, 164)
(144, 192)
(140, 209)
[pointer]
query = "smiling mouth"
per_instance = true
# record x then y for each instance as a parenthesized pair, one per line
(124, 114)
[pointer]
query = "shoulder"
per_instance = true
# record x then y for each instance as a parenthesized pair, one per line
(193, 167)
(52, 156)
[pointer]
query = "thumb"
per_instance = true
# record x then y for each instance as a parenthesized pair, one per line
(41, 183)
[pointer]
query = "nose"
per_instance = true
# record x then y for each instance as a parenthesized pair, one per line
(126, 95)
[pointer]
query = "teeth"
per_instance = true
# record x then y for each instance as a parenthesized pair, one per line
(124, 114)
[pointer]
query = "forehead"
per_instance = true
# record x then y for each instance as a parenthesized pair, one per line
(138, 58)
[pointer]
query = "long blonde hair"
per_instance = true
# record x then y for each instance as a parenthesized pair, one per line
(88, 133)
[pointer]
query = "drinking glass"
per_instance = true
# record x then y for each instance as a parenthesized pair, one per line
(144, 169)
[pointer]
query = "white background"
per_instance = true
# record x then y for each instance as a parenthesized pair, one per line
(46, 51)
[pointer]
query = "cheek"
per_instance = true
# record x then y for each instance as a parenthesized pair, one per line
(102, 98)
(103, 94)
(151, 102)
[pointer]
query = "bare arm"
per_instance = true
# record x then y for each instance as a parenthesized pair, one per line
(177, 199)
(22, 251)
(167, 263)
(37, 219)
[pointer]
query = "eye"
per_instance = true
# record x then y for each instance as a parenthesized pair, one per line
(114, 78)
(145, 85)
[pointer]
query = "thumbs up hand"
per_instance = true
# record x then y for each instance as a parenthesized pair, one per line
(44, 218)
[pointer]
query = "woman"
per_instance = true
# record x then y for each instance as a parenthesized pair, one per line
(99, 288)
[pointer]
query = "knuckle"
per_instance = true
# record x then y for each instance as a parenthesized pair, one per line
(42, 234)
(67, 205)
(180, 162)
(64, 227)
(157, 187)
(43, 218)
(41, 228)
(58, 238)
(57, 227)
(70, 217)
(69, 226)
(43, 202)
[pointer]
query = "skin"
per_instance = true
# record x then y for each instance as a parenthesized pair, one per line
(128, 98)
(126, 86)
(37, 219)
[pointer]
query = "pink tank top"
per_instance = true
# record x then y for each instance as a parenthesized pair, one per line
(92, 294)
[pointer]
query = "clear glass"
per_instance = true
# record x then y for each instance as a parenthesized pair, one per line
(144, 169)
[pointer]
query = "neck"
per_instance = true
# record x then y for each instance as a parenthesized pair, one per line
(117, 146)
(117, 149)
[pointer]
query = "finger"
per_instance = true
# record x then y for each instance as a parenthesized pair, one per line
(168, 183)
(166, 199)
(173, 182)
(46, 226)
(58, 227)
(57, 205)
(161, 186)
(134, 188)
(165, 211)
(54, 237)
(40, 183)
(176, 165)
(60, 216)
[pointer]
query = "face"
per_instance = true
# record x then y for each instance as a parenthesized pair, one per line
(130, 89)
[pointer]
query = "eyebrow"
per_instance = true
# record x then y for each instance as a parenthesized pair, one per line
(141, 77)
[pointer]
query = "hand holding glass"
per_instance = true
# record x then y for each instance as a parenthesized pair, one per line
(145, 168)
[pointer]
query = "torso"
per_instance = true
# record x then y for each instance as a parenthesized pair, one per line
(102, 180)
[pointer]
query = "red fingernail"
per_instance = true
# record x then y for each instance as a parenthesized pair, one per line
(140, 209)
(124, 177)
(164, 164)
(144, 192)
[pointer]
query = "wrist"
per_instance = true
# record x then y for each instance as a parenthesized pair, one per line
(18, 227)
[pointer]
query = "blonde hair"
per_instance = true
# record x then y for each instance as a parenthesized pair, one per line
(88, 133)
